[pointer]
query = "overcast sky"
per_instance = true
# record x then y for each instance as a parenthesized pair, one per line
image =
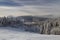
(29, 7)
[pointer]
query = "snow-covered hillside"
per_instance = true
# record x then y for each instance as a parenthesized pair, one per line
(8, 33)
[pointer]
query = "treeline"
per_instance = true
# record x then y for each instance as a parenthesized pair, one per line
(19, 21)
(10, 21)
(40, 25)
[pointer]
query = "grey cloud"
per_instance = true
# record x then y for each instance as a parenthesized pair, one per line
(28, 2)
(44, 6)
(39, 2)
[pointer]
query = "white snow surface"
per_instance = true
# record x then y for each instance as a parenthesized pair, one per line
(9, 33)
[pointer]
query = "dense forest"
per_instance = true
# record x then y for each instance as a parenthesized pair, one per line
(35, 24)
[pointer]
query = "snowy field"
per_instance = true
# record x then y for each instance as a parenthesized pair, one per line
(18, 34)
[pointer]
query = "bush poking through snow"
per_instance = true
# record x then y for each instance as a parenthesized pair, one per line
(56, 31)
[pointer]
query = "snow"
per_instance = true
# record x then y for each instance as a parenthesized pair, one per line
(9, 33)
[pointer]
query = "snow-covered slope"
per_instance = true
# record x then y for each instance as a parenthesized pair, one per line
(18, 34)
